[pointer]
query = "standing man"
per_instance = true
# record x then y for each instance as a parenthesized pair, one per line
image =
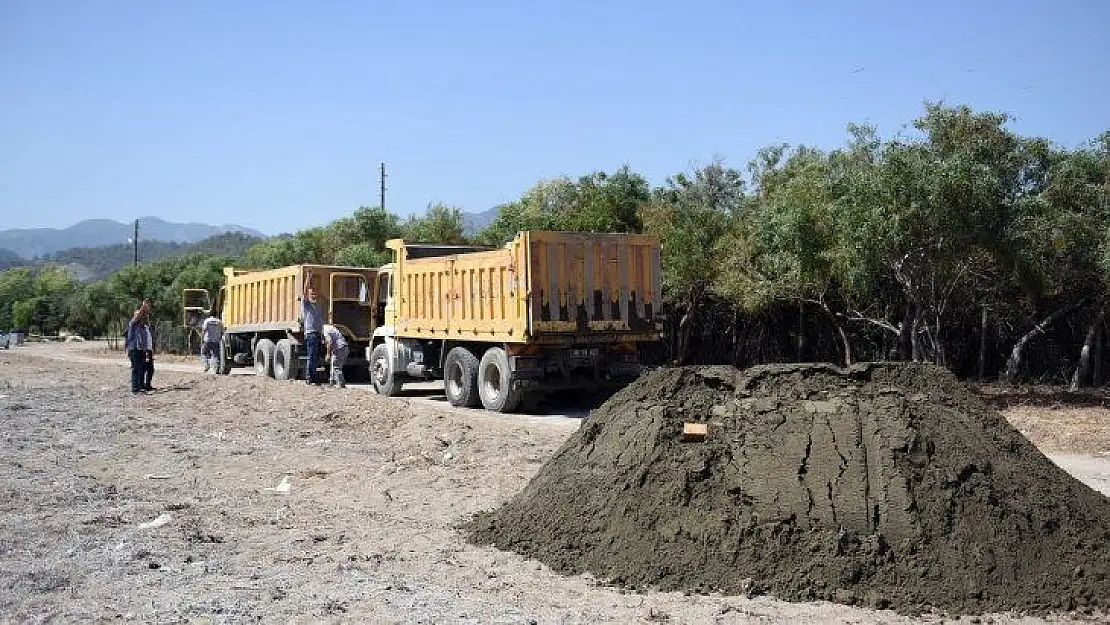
(313, 324)
(138, 344)
(212, 330)
(337, 348)
(148, 360)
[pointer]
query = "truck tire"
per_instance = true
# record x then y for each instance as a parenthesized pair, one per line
(495, 382)
(225, 359)
(264, 358)
(386, 382)
(460, 378)
(285, 362)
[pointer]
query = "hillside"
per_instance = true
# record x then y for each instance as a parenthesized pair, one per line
(102, 261)
(35, 242)
(473, 223)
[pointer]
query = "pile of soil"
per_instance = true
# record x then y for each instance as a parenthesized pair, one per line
(887, 485)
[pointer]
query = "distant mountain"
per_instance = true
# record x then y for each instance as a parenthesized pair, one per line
(473, 223)
(32, 242)
(100, 262)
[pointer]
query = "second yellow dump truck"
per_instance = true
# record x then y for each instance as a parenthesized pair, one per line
(263, 325)
(549, 310)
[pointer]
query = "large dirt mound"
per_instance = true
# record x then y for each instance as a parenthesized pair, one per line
(888, 485)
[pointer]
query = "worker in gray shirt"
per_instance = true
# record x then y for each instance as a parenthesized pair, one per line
(313, 323)
(338, 350)
(213, 330)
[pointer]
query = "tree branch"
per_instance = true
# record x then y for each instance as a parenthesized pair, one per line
(857, 316)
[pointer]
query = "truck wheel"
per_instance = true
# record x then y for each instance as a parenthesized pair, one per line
(225, 359)
(460, 377)
(285, 363)
(495, 382)
(264, 358)
(386, 382)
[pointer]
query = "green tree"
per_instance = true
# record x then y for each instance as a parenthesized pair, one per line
(371, 226)
(543, 207)
(596, 202)
(362, 255)
(22, 313)
(788, 247)
(307, 246)
(439, 224)
(41, 305)
(15, 285)
(691, 215)
(98, 310)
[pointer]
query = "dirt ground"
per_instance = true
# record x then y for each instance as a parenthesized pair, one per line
(236, 499)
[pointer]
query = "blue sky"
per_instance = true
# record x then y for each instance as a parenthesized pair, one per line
(275, 114)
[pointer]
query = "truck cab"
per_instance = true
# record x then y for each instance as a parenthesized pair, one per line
(403, 358)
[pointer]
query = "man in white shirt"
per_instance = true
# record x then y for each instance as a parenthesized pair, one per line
(337, 347)
(312, 322)
(212, 330)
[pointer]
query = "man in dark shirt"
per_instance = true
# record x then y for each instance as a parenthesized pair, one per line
(313, 324)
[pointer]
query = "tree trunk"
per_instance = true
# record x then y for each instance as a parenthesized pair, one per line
(801, 331)
(983, 345)
(845, 345)
(1084, 366)
(1013, 364)
(915, 343)
(906, 349)
(736, 337)
(1096, 375)
(685, 326)
(939, 355)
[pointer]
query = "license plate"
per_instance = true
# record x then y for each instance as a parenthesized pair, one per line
(587, 353)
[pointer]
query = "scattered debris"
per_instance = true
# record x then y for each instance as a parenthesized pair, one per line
(161, 520)
(283, 486)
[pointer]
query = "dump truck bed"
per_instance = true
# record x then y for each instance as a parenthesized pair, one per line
(544, 287)
(267, 301)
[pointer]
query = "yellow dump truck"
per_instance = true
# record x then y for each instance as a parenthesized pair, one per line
(261, 314)
(549, 310)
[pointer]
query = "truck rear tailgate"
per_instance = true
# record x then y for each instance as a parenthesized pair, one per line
(599, 285)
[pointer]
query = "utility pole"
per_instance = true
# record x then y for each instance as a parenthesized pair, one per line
(136, 240)
(382, 203)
